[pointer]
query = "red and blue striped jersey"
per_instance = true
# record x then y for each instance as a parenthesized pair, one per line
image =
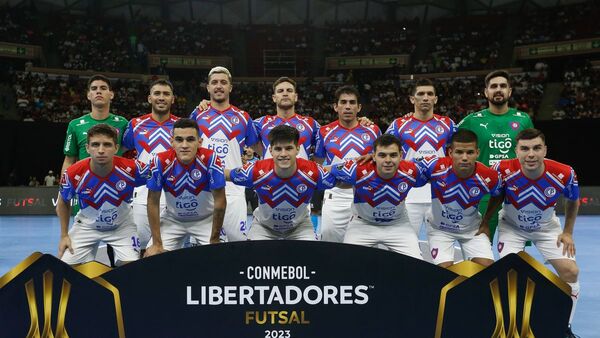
(226, 133)
(188, 188)
(306, 126)
(455, 200)
(377, 200)
(104, 201)
(530, 204)
(283, 202)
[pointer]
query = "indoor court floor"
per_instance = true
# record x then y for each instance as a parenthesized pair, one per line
(22, 235)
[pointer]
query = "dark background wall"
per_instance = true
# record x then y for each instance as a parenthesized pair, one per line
(33, 148)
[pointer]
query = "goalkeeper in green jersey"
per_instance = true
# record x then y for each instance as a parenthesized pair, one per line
(496, 128)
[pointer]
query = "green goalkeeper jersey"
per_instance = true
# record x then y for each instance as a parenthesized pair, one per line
(496, 133)
(77, 133)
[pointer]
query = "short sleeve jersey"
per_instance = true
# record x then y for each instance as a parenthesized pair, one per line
(226, 133)
(76, 138)
(496, 133)
(105, 201)
(377, 200)
(188, 188)
(148, 136)
(422, 139)
(454, 200)
(283, 202)
(530, 204)
(306, 126)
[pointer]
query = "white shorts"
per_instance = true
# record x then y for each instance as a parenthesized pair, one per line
(398, 237)
(417, 213)
(335, 216)
(441, 245)
(235, 223)
(85, 242)
(303, 232)
(512, 240)
(140, 218)
(174, 232)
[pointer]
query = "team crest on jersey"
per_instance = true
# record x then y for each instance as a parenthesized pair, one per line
(500, 246)
(235, 120)
(474, 191)
(434, 252)
(402, 187)
(365, 137)
(301, 188)
(439, 130)
(196, 174)
(550, 191)
(300, 127)
(514, 125)
(121, 185)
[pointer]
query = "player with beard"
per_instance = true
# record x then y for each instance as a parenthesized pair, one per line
(496, 127)
(149, 135)
(227, 130)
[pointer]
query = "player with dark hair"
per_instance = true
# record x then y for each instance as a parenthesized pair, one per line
(149, 135)
(496, 127)
(194, 184)
(380, 187)
(423, 134)
(339, 141)
(458, 182)
(104, 185)
(531, 187)
(100, 95)
(284, 185)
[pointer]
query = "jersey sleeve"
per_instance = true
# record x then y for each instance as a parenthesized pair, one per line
(128, 141)
(66, 188)
(194, 114)
(420, 178)
(244, 175)
(377, 132)
(251, 132)
(215, 172)
(320, 145)
(142, 173)
(465, 123)
(316, 134)
(572, 188)
(392, 129)
(326, 179)
(345, 172)
(70, 147)
(426, 166)
(497, 189)
(155, 182)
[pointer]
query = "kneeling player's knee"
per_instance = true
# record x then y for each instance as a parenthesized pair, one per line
(569, 272)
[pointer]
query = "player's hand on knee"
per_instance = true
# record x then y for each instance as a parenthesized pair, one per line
(154, 249)
(484, 229)
(203, 105)
(568, 244)
(64, 244)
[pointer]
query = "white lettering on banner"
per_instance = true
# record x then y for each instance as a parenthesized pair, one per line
(268, 295)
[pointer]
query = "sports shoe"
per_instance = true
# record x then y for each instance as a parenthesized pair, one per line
(569, 333)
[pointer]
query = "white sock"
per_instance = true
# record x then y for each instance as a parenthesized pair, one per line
(574, 297)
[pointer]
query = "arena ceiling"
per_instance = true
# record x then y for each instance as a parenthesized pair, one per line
(285, 11)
